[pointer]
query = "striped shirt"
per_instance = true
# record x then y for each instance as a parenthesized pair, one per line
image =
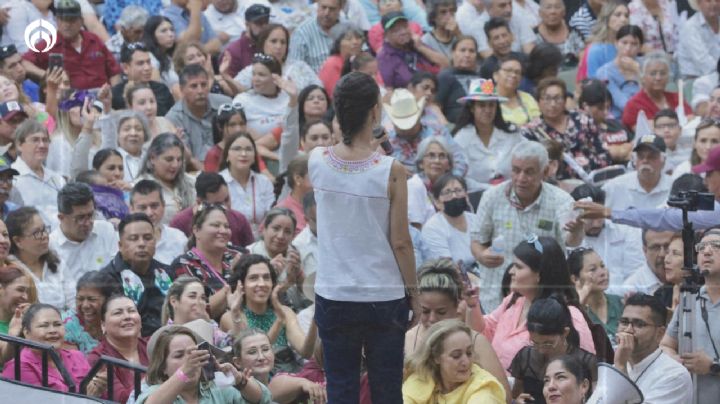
(583, 20)
(311, 44)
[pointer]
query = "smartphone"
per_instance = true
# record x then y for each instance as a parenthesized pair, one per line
(208, 371)
(56, 60)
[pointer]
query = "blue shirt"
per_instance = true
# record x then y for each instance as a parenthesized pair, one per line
(7, 208)
(667, 219)
(32, 90)
(599, 54)
(620, 88)
(181, 19)
(410, 8)
(114, 8)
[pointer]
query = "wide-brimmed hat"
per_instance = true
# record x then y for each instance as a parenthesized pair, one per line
(481, 90)
(404, 110)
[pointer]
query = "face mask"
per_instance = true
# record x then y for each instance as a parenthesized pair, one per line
(455, 207)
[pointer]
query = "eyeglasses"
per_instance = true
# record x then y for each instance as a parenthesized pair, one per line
(658, 247)
(450, 192)
(40, 233)
(636, 323)
(533, 240)
(136, 46)
(227, 107)
(6, 180)
(261, 57)
(546, 345)
(714, 246)
(204, 206)
(558, 99)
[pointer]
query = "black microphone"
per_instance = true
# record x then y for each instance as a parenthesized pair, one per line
(378, 133)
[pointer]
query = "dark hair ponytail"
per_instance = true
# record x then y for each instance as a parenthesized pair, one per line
(550, 316)
(356, 94)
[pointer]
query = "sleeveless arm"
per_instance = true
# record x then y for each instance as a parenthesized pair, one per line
(400, 239)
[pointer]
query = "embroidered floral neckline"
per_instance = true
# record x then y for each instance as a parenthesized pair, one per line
(351, 167)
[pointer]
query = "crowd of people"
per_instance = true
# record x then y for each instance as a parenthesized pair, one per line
(356, 201)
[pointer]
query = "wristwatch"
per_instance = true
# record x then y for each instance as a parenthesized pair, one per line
(715, 367)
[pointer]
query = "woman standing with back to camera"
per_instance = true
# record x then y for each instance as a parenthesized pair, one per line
(366, 267)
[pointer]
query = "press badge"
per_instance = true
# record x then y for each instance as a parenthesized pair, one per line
(546, 225)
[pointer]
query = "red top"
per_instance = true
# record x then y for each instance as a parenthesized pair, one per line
(213, 156)
(642, 102)
(31, 368)
(91, 68)
(124, 381)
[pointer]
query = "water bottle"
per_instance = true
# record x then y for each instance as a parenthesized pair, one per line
(498, 245)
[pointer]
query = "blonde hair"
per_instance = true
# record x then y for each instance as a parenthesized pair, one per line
(424, 362)
(441, 276)
(176, 290)
(156, 367)
(601, 32)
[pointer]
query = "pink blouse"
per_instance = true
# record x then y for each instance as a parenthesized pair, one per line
(31, 368)
(508, 337)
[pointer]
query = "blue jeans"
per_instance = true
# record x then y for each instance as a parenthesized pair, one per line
(347, 329)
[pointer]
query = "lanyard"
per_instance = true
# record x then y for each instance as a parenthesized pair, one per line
(207, 264)
(704, 312)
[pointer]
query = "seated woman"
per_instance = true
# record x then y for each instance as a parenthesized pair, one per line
(346, 47)
(191, 52)
(485, 136)
(539, 269)
(454, 81)
(576, 131)
(164, 163)
(16, 287)
(210, 256)
(109, 201)
(519, 107)
(447, 233)
(442, 370)
(566, 381)
(596, 101)
(425, 85)
(707, 136)
(83, 324)
(29, 238)
(674, 273)
(186, 301)
(121, 340)
(441, 296)
(652, 97)
(434, 160)
(601, 49)
(552, 335)
(555, 31)
(252, 350)
(175, 369)
(622, 74)
(140, 98)
(41, 323)
(229, 120)
(275, 244)
(251, 193)
(262, 310)
(591, 279)
(298, 181)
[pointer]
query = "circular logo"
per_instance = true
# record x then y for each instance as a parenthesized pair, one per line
(40, 30)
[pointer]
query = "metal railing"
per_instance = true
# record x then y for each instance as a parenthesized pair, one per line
(47, 351)
(111, 363)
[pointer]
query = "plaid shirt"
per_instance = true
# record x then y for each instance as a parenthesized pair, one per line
(502, 215)
(405, 150)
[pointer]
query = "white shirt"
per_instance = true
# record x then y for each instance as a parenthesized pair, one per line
(702, 87)
(487, 162)
(131, 164)
(467, 17)
(263, 113)
(21, 13)
(661, 379)
(530, 9)
(39, 192)
(675, 158)
(620, 248)
(625, 191)
(91, 254)
(52, 289)
(296, 70)
(420, 206)
(443, 240)
(232, 23)
(60, 155)
(699, 47)
(255, 200)
(171, 245)
(306, 243)
(643, 280)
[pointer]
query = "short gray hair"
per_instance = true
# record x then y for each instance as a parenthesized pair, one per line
(655, 57)
(133, 16)
(27, 128)
(531, 150)
(425, 144)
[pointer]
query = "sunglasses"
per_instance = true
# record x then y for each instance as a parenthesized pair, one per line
(533, 240)
(261, 57)
(135, 46)
(230, 106)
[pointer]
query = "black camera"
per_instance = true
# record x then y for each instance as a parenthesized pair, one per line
(692, 201)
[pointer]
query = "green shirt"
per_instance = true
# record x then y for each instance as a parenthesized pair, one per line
(4, 326)
(211, 394)
(614, 311)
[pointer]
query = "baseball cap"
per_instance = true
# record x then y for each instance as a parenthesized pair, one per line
(712, 162)
(653, 141)
(10, 109)
(7, 51)
(391, 18)
(5, 166)
(257, 12)
(67, 8)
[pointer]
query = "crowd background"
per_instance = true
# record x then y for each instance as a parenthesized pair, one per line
(167, 171)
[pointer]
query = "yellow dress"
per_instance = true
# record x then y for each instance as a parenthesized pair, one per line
(480, 388)
(523, 113)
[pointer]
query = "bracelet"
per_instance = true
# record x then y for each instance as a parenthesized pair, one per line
(182, 376)
(238, 320)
